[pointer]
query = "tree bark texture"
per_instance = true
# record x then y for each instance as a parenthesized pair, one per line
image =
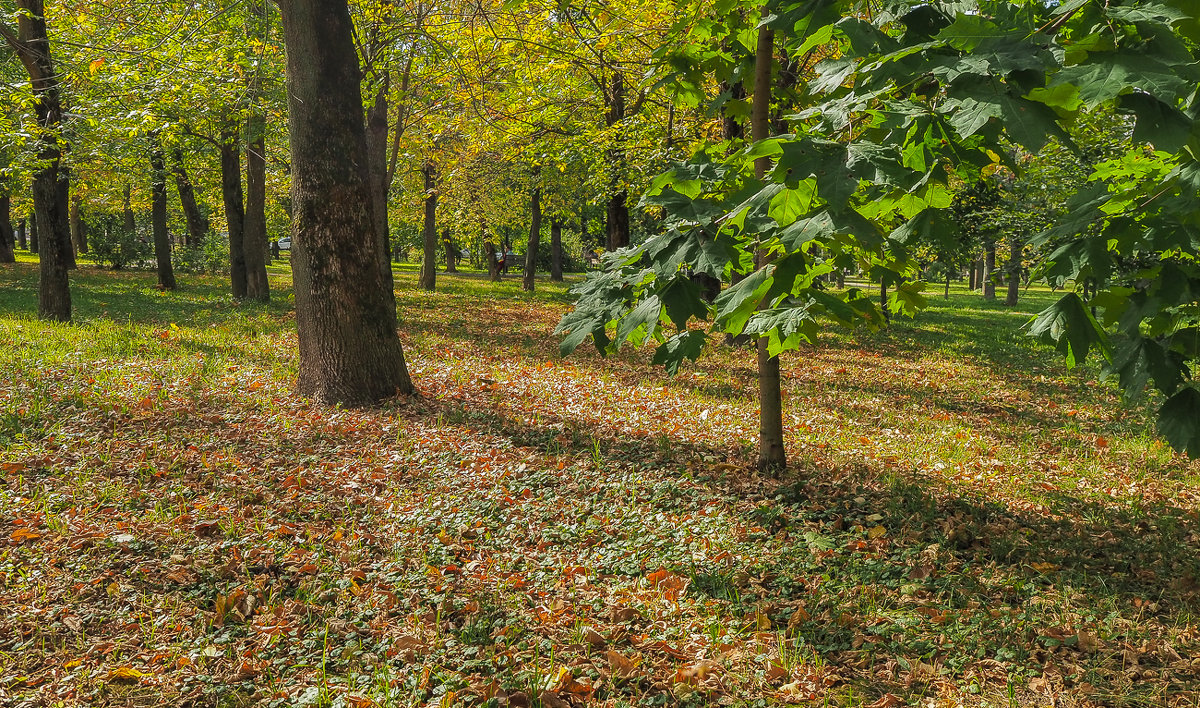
(254, 233)
(50, 196)
(22, 241)
(1016, 256)
(158, 218)
(8, 237)
(197, 223)
(772, 457)
(617, 208)
(491, 254)
(535, 237)
(556, 253)
(235, 209)
(429, 237)
(349, 351)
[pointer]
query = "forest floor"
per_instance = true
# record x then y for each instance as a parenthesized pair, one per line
(964, 523)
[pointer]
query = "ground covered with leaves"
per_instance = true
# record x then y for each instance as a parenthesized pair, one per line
(964, 523)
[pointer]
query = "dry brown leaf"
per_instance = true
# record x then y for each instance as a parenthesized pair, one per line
(620, 665)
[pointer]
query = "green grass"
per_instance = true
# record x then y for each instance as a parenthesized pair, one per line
(964, 519)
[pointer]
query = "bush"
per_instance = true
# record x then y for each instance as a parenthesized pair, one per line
(118, 248)
(210, 257)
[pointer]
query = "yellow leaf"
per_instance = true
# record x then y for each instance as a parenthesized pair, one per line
(126, 673)
(876, 532)
(95, 65)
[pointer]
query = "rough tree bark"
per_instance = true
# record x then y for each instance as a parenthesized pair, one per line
(254, 228)
(556, 253)
(8, 237)
(429, 238)
(772, 457)
(349, 351)
(535, 237)
(490, 253)
(32, 46)
(235, 210)
(197, 223)
(158, 217)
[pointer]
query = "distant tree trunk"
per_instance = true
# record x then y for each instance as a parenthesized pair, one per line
(50, 196)
(34, 237)
(535, 237)
(127, 219)
(158, 217)
(8, 238)
(377, 164)
(450, 251)
(556, 253)
(971, 276)
(841, 278)
(883, 301)
(1016, 253)
(349, 351)
(772, 456)
(491, 254)
(78, 227)
(22, 242)
(731, 127)
(429, 239)
(254, 234)
(197, 223)
(235, 210)
(617, 222)
(989, 270)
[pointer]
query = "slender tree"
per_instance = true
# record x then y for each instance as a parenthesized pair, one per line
(7, 235)
(158, 216)
(429, 237)
(235, 208)
(349, 351)
(254, 235)
(535, 236)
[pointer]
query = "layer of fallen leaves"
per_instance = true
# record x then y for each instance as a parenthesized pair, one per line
(177, 529)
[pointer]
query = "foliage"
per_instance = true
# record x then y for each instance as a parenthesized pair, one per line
(118, 248)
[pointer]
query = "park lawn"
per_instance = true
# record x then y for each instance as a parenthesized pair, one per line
(965, 521)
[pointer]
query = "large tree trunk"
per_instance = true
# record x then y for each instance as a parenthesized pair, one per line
(22, 242)
(197, 223)
(49, 186)
(1016, 254)
(556, 255)
(8, 237)
(772, 457)
(349, 351)
(235, 210)
(429, 245)
(535, 237)
(254, 235)
(78, 227)
(158, 218)
(449, 250)
(491, 254)
(989, 270)
(377, 163)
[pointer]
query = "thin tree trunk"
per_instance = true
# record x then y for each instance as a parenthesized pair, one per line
(377, 163)
(78, 232)
(22, 241)
(349, 351)
(556, 254)
(772, 456)
(450, 251)
(491, 253)
(535, 236)
(32, 46)
(971, 276)
(883, 301)
(34, 237)
(158, 218)
(197, 223)
(254, 235)
(1016, 253)
(618, 208)
(8, 237)
(989, 269)
(428, 278)
(235, 210)
(127, 219)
